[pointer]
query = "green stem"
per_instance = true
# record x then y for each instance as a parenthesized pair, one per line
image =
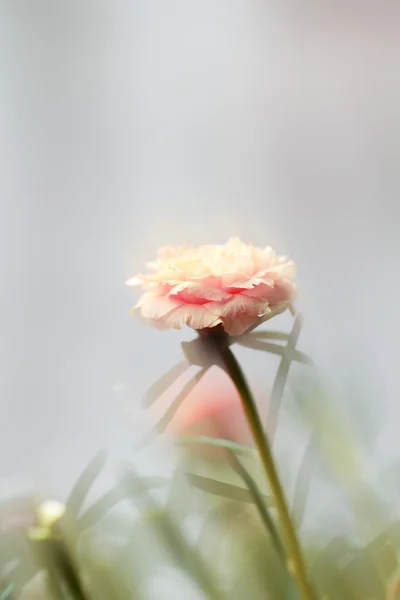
(296, 562)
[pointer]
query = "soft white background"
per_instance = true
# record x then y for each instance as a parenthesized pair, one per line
(125, 125)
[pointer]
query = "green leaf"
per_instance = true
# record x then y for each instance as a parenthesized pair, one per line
(175, 405)
(171, 534)
(224, 490)
(261, 506)
(281, 378)
(303, 480)
(95, 512)
(7, 592)
(84, 483)
(269, 335)
(218, 442)
(163, 383)
(289, 355)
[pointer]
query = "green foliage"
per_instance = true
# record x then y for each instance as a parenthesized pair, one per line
(113, 547)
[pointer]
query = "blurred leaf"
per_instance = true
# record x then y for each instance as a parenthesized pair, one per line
(281, 378)
(326, 570)
(303, 480)
(257, 570)
(259, 501)
(223, 515)
(269, 335)
(225, 490)
(168, 531)
(84, 483)
(164, 382)
(95, 512)
(218, 442)
(341, 453)
(7, 592)
(295, 355)
(363, 578)
(180, 494)
(175, 405)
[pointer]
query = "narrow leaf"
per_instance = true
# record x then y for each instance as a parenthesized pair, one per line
(269, 335)
(225, 490)
(164, 382)
(175, 405)
(303, 480)
(84, 483)
(95, 512)
(171, 534)
(7, 592)
(218, 442)
(256, 344)
(281, 378)
(261, 506)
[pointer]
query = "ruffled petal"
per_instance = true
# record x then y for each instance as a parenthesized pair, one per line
(239, 324)
(155, 307)
(238, 304)
(134, 281)
(195, 316)
(197, 293)
(263, 291)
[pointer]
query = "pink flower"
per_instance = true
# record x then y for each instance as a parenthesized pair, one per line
(230, 285)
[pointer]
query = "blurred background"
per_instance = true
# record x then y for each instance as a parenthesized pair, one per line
(129, 125)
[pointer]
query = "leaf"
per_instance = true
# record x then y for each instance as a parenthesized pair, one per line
(223, 514)
(303, 480)
(163, 383)
(259, 501)
(281, 378)
(170, 532)
(218, 442)
(296, 355)
(269, 335)
(174, 406)
(84, 483)
(7, 592)
(95, 512)
(224, 490)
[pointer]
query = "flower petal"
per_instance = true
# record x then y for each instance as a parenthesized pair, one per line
(195, 316)
(238, 304)
(134, 281)
(198, 293)
(239, 324)
(155, 307)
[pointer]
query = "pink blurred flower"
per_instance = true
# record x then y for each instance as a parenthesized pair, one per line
(230, 285)
(213, 409)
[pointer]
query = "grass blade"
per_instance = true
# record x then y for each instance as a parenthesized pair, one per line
(281, 378)
(172, 536)
(163, 383)
(175, 405)
(259, 501)
(269, 335)
(84, 483)
(95, 512)
(296, 355)
(303, 481)
(224, 490)
(218, 442)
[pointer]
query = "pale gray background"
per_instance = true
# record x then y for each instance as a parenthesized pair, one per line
(125, 125)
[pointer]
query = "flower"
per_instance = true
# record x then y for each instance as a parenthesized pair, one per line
(230, 285)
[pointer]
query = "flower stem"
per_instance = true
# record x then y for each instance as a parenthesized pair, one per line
(296, 562)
